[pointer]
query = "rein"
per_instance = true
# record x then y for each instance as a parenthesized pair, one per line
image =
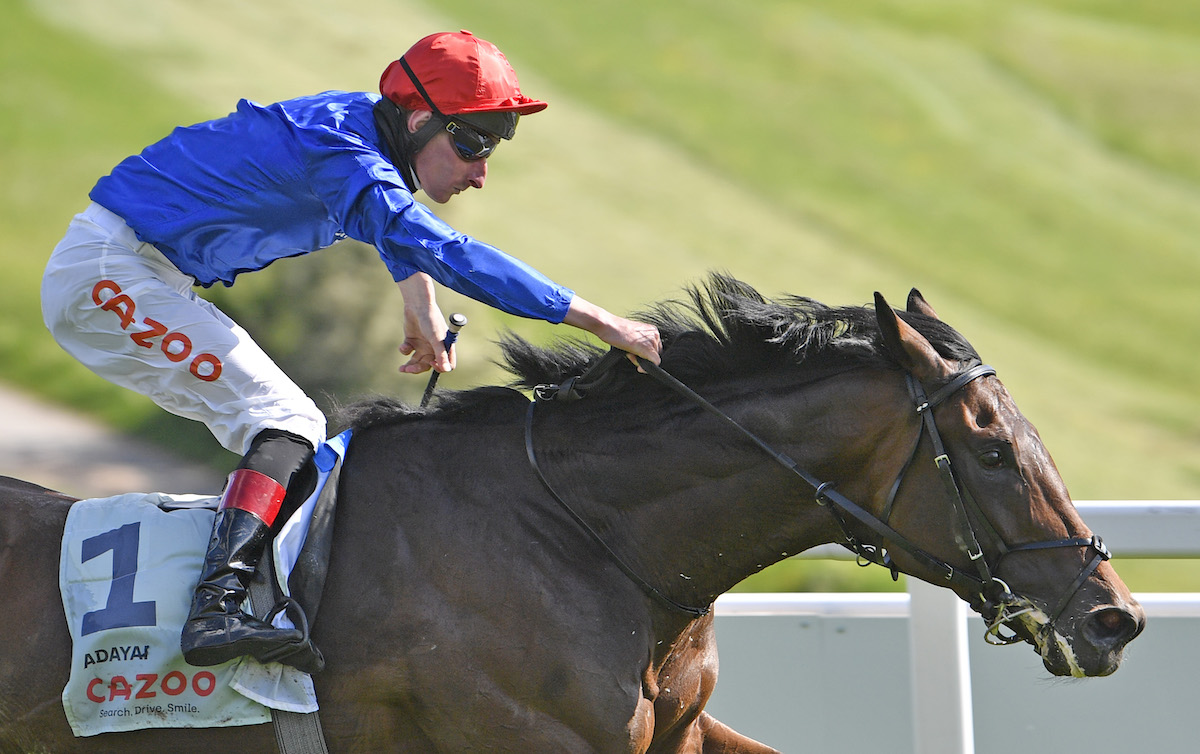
(994, 593)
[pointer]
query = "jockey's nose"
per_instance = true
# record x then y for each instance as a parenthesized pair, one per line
(478, 173)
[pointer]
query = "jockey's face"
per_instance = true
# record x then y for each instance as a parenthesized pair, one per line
(440, 169)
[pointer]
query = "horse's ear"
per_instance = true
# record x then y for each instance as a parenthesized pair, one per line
(908, 346)
(918, 305)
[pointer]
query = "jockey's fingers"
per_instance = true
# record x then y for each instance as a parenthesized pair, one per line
(443, 358)
(645, 341)
(415, 366)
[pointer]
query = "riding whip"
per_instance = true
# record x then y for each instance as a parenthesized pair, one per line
(457, 322)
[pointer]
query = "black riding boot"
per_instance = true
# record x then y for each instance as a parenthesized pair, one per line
(216, 629)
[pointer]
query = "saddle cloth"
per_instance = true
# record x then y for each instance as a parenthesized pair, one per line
(128, 566)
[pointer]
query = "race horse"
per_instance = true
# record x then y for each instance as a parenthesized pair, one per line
(511, 575)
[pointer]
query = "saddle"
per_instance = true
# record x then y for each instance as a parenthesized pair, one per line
(127, 567)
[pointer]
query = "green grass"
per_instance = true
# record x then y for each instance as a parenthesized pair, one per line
(1031, 166)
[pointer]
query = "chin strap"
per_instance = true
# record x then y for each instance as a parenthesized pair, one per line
(400, 145)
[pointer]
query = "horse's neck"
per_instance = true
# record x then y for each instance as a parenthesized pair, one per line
(696, 508)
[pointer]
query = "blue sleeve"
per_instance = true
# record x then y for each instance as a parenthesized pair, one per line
(365, 193)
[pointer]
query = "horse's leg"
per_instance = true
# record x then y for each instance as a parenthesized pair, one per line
(719, 738)
(684, 683)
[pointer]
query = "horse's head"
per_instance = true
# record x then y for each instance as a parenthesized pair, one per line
(1015, 549)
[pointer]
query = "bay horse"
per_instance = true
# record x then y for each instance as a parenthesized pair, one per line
(517, 576)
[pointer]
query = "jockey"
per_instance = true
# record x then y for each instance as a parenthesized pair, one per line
(213, 200)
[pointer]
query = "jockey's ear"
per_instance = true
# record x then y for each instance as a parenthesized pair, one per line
(416, 119)
(908, 346)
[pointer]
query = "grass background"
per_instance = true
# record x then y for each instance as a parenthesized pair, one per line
(1033, 167)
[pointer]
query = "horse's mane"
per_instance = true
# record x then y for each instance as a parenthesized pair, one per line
(721, 329)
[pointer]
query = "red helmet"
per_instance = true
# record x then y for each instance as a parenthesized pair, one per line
(451, 73)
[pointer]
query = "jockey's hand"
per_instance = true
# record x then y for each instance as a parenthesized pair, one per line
(424, 328)
(636, 338)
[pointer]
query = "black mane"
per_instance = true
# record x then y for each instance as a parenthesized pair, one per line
(723, 328)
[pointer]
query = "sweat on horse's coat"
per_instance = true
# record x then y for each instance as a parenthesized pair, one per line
(465, 611)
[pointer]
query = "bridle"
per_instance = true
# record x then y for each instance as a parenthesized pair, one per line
(994, 599)
(991, 596)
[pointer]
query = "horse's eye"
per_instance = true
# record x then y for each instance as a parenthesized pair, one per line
(991, 459)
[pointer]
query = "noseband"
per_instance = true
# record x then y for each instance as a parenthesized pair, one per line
(992, 597)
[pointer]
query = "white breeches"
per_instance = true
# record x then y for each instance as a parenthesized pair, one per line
(125, 311)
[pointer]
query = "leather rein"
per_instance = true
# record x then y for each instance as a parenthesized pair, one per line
(994, 599)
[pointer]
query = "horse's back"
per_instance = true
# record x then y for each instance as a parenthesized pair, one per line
(13, 491)
(35, 642)
(34, 650)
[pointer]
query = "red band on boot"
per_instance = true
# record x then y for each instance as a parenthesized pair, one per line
(254, 492)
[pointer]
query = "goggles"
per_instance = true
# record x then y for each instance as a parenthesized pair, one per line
(470, 143)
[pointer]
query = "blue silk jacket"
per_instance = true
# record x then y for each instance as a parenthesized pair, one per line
(234, 194)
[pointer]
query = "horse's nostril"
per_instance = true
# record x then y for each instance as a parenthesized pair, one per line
(1111, 627)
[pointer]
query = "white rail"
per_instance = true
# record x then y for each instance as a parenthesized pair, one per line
(939, 665)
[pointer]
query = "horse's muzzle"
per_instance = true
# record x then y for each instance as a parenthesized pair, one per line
(1097, 647)
(1109, 629)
